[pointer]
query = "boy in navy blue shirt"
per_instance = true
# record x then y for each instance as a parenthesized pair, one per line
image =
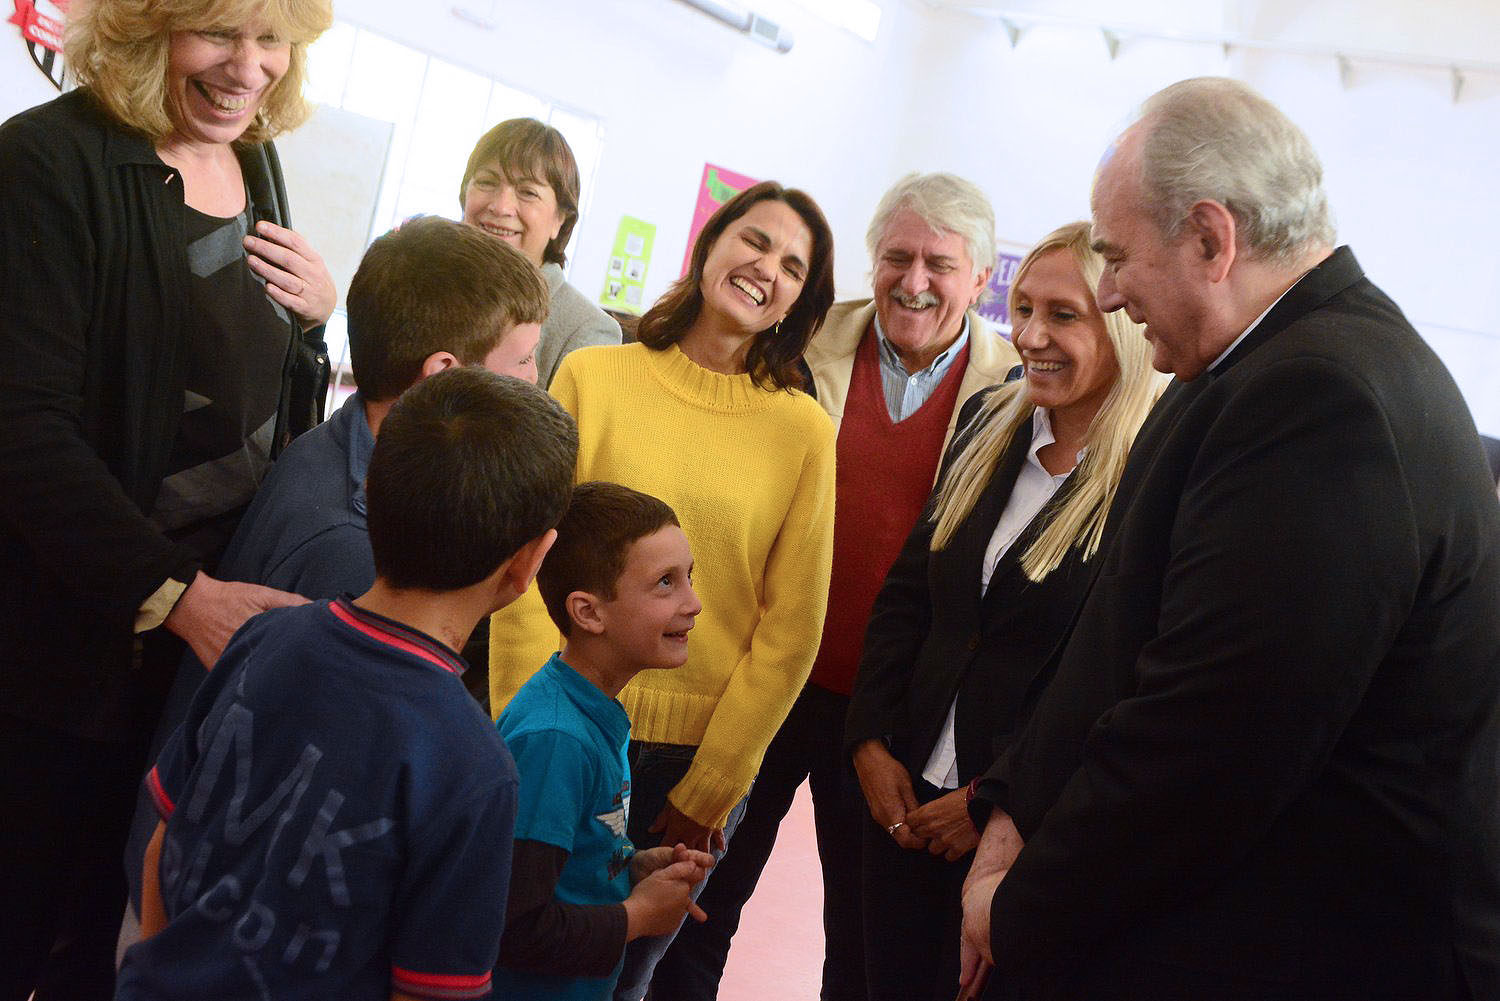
(618, 584)
(432, 295)
(337, 811)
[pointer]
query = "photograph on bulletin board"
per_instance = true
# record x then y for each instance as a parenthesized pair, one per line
(718, 185)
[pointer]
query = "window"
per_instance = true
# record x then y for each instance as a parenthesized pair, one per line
(438, 110)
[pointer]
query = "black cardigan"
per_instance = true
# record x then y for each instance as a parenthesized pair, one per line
(932, 636)
(91, 327)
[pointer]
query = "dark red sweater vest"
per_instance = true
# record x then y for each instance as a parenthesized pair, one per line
(885, 473)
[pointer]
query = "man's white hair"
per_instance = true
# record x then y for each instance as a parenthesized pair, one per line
(944, 202)
(1216, 139)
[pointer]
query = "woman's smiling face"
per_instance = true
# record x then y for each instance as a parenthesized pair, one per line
(1070, 362)
(755, 270)
(218, 78)
(522, 212)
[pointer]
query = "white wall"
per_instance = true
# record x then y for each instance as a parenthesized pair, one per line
(21, 83)
(1410, 173)
(677, 89)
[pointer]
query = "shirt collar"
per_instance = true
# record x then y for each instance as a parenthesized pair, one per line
(361, 445)
(1042, 436)
(590, 700)
(395, 634)
(892, 357)
(1254, 323)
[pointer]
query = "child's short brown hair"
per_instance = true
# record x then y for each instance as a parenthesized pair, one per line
(468, 467)
(435, 285)
(593, 542)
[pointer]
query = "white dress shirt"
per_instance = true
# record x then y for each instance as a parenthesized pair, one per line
(1034, 487)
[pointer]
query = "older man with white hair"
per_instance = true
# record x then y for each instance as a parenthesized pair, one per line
(1266, 766)
(893, 371)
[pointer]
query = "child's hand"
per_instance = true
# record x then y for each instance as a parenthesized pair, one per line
(643, 863)
(703, 860)
(658, 902)
(648, 860)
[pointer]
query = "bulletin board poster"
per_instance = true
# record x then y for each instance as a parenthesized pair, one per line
(625, 277)
(994, 304)
(719, 184)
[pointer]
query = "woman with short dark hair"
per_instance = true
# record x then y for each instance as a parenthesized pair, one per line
(521, 185)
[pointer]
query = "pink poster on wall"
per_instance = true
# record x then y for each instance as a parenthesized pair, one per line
(717, 187)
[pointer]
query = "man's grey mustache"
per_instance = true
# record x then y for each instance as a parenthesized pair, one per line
(919, 301)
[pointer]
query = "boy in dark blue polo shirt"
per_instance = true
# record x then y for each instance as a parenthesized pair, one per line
(337, 811)
(618, 584)
(432, 295)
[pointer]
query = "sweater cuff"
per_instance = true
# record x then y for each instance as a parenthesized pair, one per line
(707, 796)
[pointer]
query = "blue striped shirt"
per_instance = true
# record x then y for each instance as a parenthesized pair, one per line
(905, 392)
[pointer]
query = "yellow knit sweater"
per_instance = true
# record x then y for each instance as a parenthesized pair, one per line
(750, 474)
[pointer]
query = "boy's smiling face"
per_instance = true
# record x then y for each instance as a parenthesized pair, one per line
(654, 605)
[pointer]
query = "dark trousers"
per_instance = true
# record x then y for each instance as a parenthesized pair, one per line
(808, 746)
(913, 915)
(654, 770)
(62, 883)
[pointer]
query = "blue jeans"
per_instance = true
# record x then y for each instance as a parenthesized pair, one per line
(808, 746)
(655, 769)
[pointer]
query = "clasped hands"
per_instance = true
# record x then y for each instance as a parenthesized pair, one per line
(662, 881)
(940, 827)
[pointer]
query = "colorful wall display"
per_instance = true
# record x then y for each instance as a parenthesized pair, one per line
(994, 304)
(41, 24)
(719, 184)
(625, 275)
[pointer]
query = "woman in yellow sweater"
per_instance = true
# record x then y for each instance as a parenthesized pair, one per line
(704, 414)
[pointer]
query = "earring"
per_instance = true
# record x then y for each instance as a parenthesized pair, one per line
(776, 330)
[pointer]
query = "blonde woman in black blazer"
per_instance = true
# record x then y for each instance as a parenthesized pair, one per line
(960, 639)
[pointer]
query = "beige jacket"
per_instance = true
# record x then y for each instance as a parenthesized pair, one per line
(830, 357)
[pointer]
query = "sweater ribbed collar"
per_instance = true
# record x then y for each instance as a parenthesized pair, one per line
(705, 389)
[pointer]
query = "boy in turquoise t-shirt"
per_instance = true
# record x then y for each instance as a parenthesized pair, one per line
(618, 584)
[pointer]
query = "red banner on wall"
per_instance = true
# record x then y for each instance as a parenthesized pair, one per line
(41, 21)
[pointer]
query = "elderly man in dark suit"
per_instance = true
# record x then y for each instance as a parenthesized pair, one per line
(1267, 766)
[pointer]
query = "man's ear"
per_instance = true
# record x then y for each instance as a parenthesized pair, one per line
(1212, 229)
(517, 573)
(583, 610)
(437, 362)
(981, 281)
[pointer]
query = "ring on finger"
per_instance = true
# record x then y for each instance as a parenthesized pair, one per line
(895, 827)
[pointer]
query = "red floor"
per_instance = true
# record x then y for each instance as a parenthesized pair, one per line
(778, 950)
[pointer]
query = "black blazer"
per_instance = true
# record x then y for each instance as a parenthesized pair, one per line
(1266, 766)
(932, 636)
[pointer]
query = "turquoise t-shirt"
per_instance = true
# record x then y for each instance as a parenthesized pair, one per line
(568, 739)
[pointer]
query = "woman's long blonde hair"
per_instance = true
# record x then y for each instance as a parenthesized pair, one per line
(118, 50)
(1079, 517)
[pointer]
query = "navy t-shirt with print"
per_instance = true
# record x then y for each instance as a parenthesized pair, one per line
(339, 815)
